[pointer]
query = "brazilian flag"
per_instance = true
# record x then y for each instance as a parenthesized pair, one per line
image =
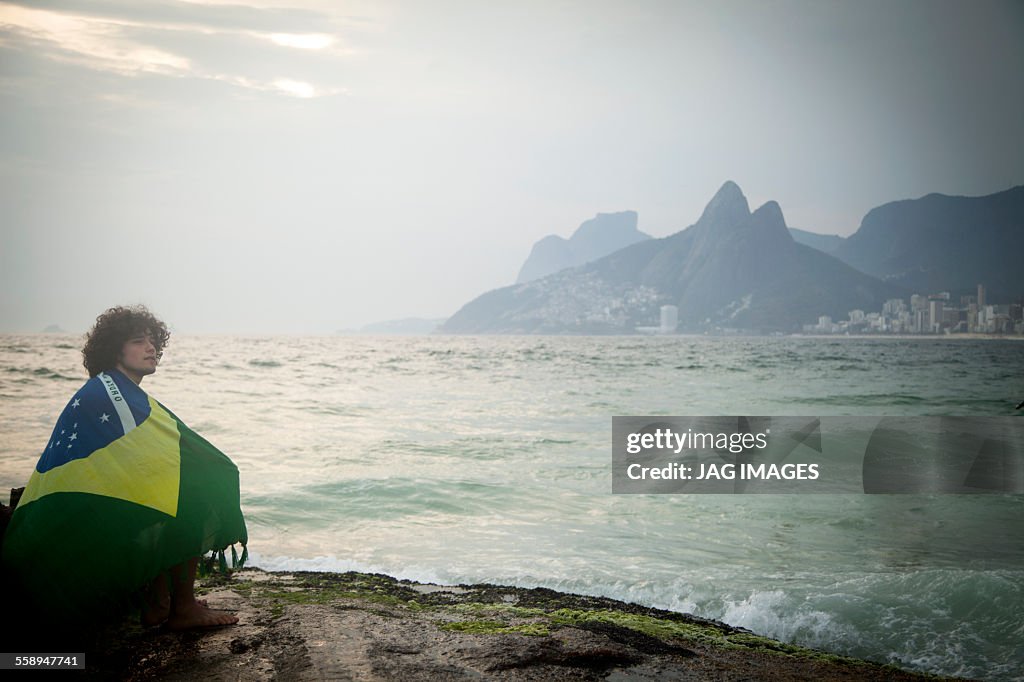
(122, 492)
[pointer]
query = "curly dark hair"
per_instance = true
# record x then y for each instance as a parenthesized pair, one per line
(104, 342)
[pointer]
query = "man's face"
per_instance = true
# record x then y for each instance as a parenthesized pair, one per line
(138, 356)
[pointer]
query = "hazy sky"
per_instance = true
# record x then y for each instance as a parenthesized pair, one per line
(303, 167)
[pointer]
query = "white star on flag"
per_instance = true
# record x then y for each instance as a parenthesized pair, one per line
(104, 417)
(73, 436)
(75, 404)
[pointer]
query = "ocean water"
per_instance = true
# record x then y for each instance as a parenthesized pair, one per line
(488, 459)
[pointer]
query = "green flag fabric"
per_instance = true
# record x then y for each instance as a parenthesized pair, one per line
(122, 492)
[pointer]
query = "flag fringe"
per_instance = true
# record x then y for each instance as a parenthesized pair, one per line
(217, 561)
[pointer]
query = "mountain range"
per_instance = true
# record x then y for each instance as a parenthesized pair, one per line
(742, 270)
(732, 269)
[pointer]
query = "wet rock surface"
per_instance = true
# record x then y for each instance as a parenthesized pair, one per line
(357, 626)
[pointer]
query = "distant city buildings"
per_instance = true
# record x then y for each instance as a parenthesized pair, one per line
(931, 314)
(669, 319)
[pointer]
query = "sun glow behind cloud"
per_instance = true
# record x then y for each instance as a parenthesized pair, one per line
(295, 88)
(307, 41)
(105, 43)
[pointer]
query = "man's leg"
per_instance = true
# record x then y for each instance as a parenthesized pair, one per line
(186, 612)
(156, 602)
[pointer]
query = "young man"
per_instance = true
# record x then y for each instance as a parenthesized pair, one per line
(130, 494)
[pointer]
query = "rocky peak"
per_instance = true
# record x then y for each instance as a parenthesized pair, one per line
(768, 219)
(728, 207)
(606, 223)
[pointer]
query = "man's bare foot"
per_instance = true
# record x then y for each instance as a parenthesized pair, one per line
(155, 614)
(197, 616)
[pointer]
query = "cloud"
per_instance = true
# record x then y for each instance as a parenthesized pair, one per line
(295, 88)
(95, 44)
(163, 39)
(303, 41)
(282, 86)
(199, 15)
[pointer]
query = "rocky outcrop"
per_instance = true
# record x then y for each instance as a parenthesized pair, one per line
(357, 626)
